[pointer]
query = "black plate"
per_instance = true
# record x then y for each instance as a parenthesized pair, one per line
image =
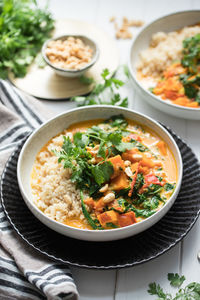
(108, 255)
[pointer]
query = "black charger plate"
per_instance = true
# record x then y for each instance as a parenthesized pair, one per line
(108, 255)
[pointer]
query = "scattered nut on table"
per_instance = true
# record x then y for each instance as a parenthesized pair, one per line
(123, 31)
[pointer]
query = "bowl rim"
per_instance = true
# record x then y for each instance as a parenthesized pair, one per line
(106, 231)
(137, 82)
(86, 67)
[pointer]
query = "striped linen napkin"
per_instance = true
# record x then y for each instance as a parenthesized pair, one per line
(24, 273)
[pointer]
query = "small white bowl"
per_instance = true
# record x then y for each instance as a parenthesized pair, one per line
(70, 72)
(55, 126)
(168, 23)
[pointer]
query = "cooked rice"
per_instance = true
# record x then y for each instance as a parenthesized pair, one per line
(53, 191)
(164, 49)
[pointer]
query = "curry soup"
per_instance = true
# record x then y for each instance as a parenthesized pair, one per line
(103, 174)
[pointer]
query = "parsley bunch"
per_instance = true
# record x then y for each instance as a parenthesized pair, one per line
(110, 85)
(189, 292)
(23, 29)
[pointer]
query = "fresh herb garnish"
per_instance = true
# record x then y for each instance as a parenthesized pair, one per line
(139, 182)
(151, 89)
(23, 29)
(191, 60)
(110, 85)
(175, 279)
(143, 212)
(112, 225)
(75, 156)
(191, 53)
(117, 121)
(169, 186)
(189, 292)
(152, 203)
(153, 189)
(102, 172)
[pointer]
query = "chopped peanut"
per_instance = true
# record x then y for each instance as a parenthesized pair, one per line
(71, 53)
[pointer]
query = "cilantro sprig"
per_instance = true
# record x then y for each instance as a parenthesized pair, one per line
(74, 154)
(96, 97)
(175, 279)
(191, 61)
(189, 292)
(77, 158)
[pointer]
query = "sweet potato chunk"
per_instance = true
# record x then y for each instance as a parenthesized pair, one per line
(134, 167)
(128, 155)
(143, 170)
(90, 202)
(118, 165)
(120, 182)
(127, 219)
(108, 217)
(99, 205)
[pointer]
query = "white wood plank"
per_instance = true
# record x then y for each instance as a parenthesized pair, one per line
(190, 264)
(191, 244)
(94, 284)
(133, 283)
(195, 4)
(76, 9)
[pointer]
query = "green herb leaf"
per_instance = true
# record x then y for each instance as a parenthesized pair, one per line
(155, 289)
(80, 139)
(175, 279)
(126, 71)
(143, 212)
(96, 95)
(112, 225)
(86, 80)
(169, 186)
(191, 53)
(24, 27)
(153, 189)
(190, 292)
(190, 91)
(152, 203)
(103, 172)
(117, 121)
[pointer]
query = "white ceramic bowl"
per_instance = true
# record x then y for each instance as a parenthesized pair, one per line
(171, 22)
(56, 125)
(70, 72)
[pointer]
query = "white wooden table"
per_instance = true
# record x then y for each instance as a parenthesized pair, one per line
(132, 283)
